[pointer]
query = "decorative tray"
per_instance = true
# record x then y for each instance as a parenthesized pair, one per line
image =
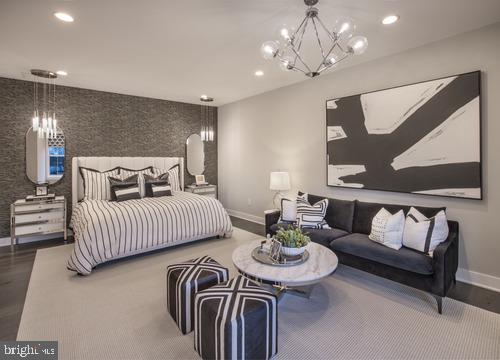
(262, 256)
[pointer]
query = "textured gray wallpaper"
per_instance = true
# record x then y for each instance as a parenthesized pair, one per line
(95, 123)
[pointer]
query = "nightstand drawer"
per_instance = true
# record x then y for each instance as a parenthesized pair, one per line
(41, 216)
(19, 209)
(40, 228)
(204, 190)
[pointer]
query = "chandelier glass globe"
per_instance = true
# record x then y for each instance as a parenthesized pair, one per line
(357, 45)
(269, 49)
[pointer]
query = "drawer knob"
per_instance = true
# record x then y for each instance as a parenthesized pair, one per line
(39, 228)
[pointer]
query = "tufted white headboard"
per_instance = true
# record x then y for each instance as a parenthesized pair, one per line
(106, 163)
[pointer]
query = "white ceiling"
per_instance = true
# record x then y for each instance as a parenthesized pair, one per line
(178, 50)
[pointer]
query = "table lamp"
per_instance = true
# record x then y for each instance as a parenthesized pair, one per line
(279, 181)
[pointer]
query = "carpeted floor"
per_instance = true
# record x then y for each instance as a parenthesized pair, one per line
(118, 312)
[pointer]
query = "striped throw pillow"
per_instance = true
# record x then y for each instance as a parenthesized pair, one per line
(311, 216)
(129, 193)
(424, 234)
(95, 183)
(161, 190)
(173, 176)
(152, 180)
(117, 184)
(125, 173)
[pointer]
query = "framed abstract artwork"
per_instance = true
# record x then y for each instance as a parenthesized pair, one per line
(423, 138)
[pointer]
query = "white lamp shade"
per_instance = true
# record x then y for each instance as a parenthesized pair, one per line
(279, 180)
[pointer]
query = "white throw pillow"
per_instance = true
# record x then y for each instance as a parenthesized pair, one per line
(387, 229)
(312, 216)
(289, 209)
(424, 234)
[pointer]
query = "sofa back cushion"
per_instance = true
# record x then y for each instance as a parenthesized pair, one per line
(364, 212)
(339, 214)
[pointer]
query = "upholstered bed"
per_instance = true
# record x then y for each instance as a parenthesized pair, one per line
(107, 230)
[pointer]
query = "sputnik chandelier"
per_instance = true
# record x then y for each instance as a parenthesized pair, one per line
(339, 45)
(44, 120)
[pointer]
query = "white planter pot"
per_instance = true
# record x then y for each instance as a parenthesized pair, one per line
(287, 251)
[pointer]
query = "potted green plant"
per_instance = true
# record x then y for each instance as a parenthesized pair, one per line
(293, 241)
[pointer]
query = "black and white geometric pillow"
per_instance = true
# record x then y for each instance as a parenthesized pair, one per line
(424, 234)
(236, 320)
(96, 184)
(311, 216)
(173, 176)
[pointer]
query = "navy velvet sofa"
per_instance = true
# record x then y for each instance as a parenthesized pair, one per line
(350, 223)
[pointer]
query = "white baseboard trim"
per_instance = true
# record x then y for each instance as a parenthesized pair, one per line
(28, 239)
(479, 279)
(245, 216)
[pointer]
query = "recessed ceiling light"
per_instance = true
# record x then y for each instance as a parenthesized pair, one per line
(64, 17)
(390, 19)
(206, 98)
(61, 72)
(259, 73)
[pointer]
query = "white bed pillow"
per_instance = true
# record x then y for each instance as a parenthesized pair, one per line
(424, 234)
(96, 184)
(387, 229)
(289, 209)
(173, 176)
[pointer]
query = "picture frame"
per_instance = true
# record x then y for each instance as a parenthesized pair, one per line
(200, 180)
(422, 138)
(41, 190)
(275, 250)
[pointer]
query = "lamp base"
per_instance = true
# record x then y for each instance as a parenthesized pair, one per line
(277, 199)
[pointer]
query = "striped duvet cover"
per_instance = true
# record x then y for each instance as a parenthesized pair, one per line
(105, 230)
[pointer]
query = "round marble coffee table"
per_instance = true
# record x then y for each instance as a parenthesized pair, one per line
(296, 279)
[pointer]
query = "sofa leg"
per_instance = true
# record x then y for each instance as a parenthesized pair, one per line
(439, 301)
(454, 280)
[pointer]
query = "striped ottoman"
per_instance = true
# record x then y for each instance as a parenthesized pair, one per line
(184, 280)
(236, 320)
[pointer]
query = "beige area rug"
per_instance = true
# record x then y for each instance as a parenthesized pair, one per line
(118, 312)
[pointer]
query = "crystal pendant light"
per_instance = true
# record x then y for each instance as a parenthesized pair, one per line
(44, 120)
(207, 132)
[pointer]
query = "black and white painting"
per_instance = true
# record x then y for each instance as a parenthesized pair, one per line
(422, 138)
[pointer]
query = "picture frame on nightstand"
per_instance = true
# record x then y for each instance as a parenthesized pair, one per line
(41, 190)
(200, 180)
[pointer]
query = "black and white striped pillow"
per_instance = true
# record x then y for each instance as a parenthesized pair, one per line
(95, 183)
(125, 173)
(129, 193)
(173, 176)
(161, 190)
(311, 216)
(118, 184)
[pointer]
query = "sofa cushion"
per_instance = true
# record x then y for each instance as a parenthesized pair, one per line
(320, 236)
(339, 214)
(406, 259)
(364, 212)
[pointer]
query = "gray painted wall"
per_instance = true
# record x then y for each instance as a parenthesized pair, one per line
(285, 130)
(95, 123)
